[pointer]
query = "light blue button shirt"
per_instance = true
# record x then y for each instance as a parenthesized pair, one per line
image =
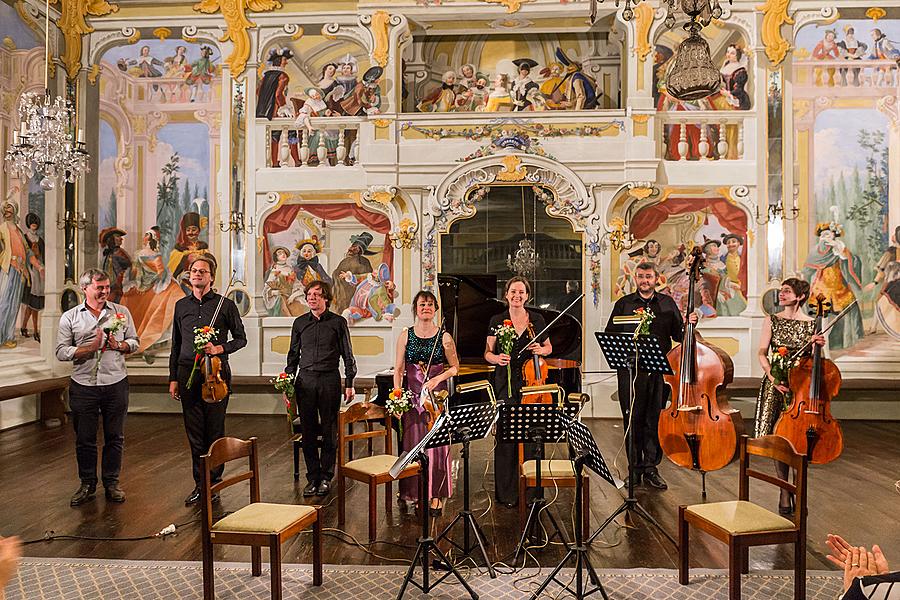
(78, 327)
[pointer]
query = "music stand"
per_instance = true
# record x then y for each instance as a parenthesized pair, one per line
(438, 436)
(586, 453)
(536, 424)
(469, 422)
(640, 354)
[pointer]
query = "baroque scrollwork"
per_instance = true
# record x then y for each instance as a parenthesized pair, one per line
(234, 13)
(775, 14)
(72, 22)
(385, 199)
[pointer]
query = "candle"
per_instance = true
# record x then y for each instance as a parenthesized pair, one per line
(15, 138)
(23, 130)
(81, 136)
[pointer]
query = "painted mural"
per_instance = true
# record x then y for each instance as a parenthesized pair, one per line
(843, 74)
(150, 158)
(668, 231)
(336, 242)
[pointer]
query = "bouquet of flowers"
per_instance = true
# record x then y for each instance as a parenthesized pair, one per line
(284, 383)
(202, 336)
(113, 325)
(398, 402)
(647, 317)
(506, 339)
(781, 364)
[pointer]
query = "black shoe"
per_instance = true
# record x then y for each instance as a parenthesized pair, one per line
(654, 479)
(193, 497)
(310, 489)
(114, 493)
(786, 510)
(324, 488)
(84, 493)
(37, 336)
(24, 332)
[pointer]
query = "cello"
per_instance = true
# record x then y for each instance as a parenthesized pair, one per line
(699, 430)
(807, 422)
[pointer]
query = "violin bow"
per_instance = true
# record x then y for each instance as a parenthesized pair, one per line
(839, 316)
(550, 324)
(222, 298)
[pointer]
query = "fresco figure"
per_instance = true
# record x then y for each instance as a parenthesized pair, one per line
(151, 293)
(710, 278)
(826, 49)
(468, 76)
(831, 269)
(581, 89)
(346, 81)
(883, 49)
(115, 261)
(853, 50)
(891, 255)
(374, 296)
(355, 263)
(33, 296)
(553, 87)
(308, 267)
(442, 99)
(177, 65)
(734, 77)
(474, 97)
(146, 64)
(499, 98)
(13, 272)
(364, 98)
(731, 300)
(283, 291)
(523, 84)
(271, 94)
(187, 245)
(202, 72)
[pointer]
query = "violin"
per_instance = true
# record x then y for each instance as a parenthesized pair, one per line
(699, 430)
(432, 402)
(214, 388)
(807, 422)
(534, 372)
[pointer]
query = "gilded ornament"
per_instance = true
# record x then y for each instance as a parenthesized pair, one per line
(383, 198)
(162, 33)
(875, 13)
(512, 6)
(775, 14)
(8, 43)
(234, 13)
(382, 123)
(512, 169)
(73, 25)
(404, 236)
(93, 73)
(640, 193)
(640, 118)
(380, 25)
(643, 20)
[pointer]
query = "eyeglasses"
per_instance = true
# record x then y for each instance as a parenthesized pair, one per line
(199, 271)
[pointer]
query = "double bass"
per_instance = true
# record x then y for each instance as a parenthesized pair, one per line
(699, 430)
(807, 422)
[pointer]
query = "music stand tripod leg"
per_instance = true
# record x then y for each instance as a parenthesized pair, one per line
(537, 505)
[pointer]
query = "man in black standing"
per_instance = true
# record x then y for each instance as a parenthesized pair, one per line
(650, 390)
(318, 339)
(204, 422)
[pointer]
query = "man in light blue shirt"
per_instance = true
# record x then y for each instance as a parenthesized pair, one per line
(96, 336)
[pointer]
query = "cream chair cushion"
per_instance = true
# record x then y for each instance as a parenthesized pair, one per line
(379, 464)
(262, 517)
(549, 468)
(739, 516)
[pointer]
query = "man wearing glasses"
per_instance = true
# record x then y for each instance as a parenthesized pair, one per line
(318, 340)
(204, 422)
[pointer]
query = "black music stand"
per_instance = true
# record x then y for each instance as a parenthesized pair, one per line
(438, 436)
(586, 453)
(637, 354)
(536, 424)
(468, 422)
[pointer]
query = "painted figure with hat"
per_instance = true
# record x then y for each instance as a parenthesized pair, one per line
(364, 98)
(271, 94)
(826, 49)
(348, 67)
(283, 292)
(115, 261)
(442, 99)
(523, 84)
(188, 245)
(202, 72)
(33, 297)
(374, 296)
(581, 89)
(731, 300)
(308, 267)
(354, 263)
(13, 271)
(553, 86)
(314, 106)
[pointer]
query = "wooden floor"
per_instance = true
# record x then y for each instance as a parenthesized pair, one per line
(854, 496)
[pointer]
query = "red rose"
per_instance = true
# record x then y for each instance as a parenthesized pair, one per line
(783, 351)
(508, 322)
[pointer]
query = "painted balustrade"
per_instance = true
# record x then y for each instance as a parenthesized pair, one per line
(325, 142)
(704, 135)
(860, 75)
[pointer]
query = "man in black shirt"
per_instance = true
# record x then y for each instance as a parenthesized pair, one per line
(204, 422)
(318, 339)
(650, 390)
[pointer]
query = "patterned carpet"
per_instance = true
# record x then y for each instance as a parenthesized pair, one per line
(71, 579)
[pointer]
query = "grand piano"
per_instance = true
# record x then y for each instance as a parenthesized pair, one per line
(467, 304)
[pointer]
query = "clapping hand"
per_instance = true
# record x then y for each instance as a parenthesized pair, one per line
(855, 561)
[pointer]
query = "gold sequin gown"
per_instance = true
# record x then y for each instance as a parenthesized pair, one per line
(791, 333)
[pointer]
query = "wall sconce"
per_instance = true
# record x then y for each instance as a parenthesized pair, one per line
(404, 236)
(617, 237)
(75, 221)
(776, 211)
(236, 223)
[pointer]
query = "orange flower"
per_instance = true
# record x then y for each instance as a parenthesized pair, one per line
(507, 322)
(782, 351)
(396, 393)
(120, 315)
(639, 311)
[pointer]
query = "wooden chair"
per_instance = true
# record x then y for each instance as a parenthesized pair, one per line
(297, 435)
(373, 470)
(741, 523)
(555, 473)
(256, 525)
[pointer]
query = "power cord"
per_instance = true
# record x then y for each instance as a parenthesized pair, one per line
(170, 529)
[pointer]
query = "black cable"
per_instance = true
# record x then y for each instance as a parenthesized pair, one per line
(51, 535)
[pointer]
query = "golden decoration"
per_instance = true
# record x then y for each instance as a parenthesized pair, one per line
(405, 234)
(73, 25)
(190, 40)
(875, 13)
(801, 53)
(643, 20)
(640, 118)
(134, 37)
(511, 5)
(162, 33)
(639, 193)
(380, 25)
(775, 14)
(37, 29)
(297, 34)
(512, 169)
(383, 198)
(8, 43)
(234, 13)
(93, 73)
(382, 123)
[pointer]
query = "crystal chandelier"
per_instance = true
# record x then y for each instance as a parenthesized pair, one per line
(525, 260)
(44, 143)
(692, 75)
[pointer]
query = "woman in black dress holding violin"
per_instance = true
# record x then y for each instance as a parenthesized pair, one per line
(517, 293)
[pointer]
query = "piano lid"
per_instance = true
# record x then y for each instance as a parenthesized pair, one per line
(469, 301)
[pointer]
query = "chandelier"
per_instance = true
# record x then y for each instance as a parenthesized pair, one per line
(525, 260)
(692, 74)
(44, 143)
